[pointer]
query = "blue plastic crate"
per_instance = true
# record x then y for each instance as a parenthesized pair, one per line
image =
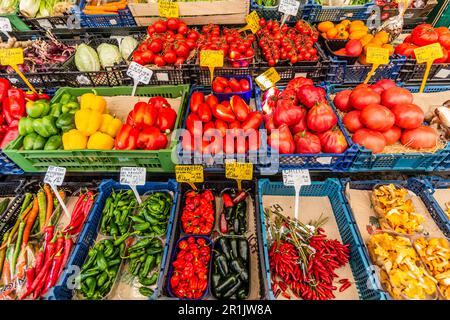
(428, 185)
(413, 184)
(272, 13)
(320, 13)
(339, 162)
(89, 233)
(332, 189)
(340, 72)
(123, 18)
(7, 166)
(246, 95)
(365, 160)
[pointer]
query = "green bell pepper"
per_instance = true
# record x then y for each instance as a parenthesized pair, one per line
(53, 143)
(38, 108)
(25, 126)
(45, 126)
(66, 98)
(55, 110)
(33, 141)
(66, 122)
(70, 107)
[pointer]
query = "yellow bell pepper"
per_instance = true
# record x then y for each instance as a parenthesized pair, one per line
(88, 121)
(110, 125)
(93, 102)
(74, 140)
(100, 141)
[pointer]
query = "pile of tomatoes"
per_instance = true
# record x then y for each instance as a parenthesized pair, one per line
(224, 85)
(169, 42)
(283, 43)
(425, 34)
(383, 114)
(198, 212)
(305, 122)
(236, 46)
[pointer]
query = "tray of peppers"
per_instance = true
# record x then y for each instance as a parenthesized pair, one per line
(38, 245)
(233, 218)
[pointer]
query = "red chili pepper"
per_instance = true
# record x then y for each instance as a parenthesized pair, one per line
(50, 248)
(31, 96)
(241, 196)
(68, 244)
(43, 96)
(30, 274)
(40, 278)
(59, 244)
(345, 286)
(39, 261)
(54, 272)
(343, 280)
(227, 200)
(223, 224)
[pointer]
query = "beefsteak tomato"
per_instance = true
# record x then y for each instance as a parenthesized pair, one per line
(352, 121)
(341, 100)
(419, 138)
(408, 116)
(370, 139)
(396, 95)
(377, 117)
(333, 141)
(306, 142)
(321, 118)
(423, 35)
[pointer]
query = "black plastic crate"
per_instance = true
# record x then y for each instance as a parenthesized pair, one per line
(413, 72)
(9, 217)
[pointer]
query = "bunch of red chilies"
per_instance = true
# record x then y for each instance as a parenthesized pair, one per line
(316, 281)
(56, 248)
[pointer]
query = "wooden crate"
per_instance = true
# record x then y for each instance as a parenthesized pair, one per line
(195, 13)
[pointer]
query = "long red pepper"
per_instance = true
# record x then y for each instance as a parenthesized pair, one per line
(30, 274)
(39, 278)
(48, 235)
(50, 249)
(37, 291)
(68, 244)
(39, 261)
(59, 243)
(75, 212)
(54, 272)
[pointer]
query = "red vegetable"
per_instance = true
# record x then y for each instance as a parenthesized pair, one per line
(408, 116)
(227, 200)
(281, 140)
(166, 119)
(377, 117)
(341, 100)
(204, 112)
(392, 135)
(321, 118)
(287, 113)
(306, 142)
(151, 138)
(370, 139)
(223, 113)
(396, 95)
(362, 97)
(126, 138)
(333, 141)
(419, 138)
(197, 98)
(352, 121)
(310, 95)
(240, 108)
(423, 35)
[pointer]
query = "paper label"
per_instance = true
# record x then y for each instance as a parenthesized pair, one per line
(289, 7)
(139, 72)
(135, 176)
(324, 160)
(168, 9)
(253, 21)
(443, 73)
(430, 52)
(239, 170)
(5, 24)
(377, 55)
(189, 173)
(55, 175)
(162, 76)
(113, 22)
(11, 56)
(211, 58)
(296, 177)
(268, 78)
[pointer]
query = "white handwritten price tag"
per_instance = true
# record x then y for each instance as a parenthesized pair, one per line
(133, 176)
(139, 73)
(289, 7)
(297, 179)
(55, 175)
(5, 25)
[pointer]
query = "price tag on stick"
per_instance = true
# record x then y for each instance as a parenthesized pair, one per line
(138, 73)
(252, 20)
(268, 79)
(211, 59)
(189, 174)
(133, 176)
(428, 54)
(297, 179)
(13, 57)
(5, 26)
(55, 177)
(168, 9)
(239, 171)
(289, 8)
(376, 56)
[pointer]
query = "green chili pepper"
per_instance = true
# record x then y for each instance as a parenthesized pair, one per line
(91, 284)
(234, 247)
(101, 261)
(146, 292)
(102, 279)
(238, 266)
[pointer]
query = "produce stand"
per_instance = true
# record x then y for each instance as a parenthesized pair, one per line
(117, 180)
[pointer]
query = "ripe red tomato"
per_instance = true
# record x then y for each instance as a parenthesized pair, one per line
(442, 30)
(392, 135)
(444, 56)
(137, 57)
(182, 28)
(307, 143)
(353, 48)
(352, 122)
(245, 85)
(396, 95)
(333, 141)
(386, 84)
(218, 87)
(444, 40)
(212, 100)
(182, 50)
(423, 35)
(408, 116)
(421, 137)
(180, 61)
(170, 56)
(361, 98)
(156, 45)
(234, 85)
(321, 118)
(160, 26)
(148, 57)
(370, 139)
(341, 100)
(406, 49)
(172, 24)
(377, 117)
(227, 90)
(197, 98)
(159, 61)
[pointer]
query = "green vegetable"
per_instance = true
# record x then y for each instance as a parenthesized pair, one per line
(66, 122)
(233, 289)
(234, 247)
(70, 107)
(146, 292)
(45, 126)
(4, 205)
(148, 281)
(109, 55)
(33, 141)
(223, 242)
(53, 143)
(239, 267)
(228, 283)
(222, 265)
(153, 215)
(127, 46)
(86, 59)
(215, 279)
(55, 110)
(25, 126)
(242, 294)
(243, 250)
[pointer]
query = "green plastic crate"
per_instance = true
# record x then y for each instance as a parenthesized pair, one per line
(16, 23)
(100, 160)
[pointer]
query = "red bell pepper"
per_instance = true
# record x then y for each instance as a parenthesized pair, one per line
(126, 138)
(43, 96)
(31, 96)
(151, 138)
(143, 114)
(166, 119)
(223, 113)
(159, 102)
(4, 87)
(10, 134)
(14, 106)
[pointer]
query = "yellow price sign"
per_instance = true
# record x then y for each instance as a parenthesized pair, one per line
(239, 171)
(167, 9)
(211, 59)
(252, 20)
(268, 78)
(376, 56)
(189, 174)
(13, 57)
(428, 54)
